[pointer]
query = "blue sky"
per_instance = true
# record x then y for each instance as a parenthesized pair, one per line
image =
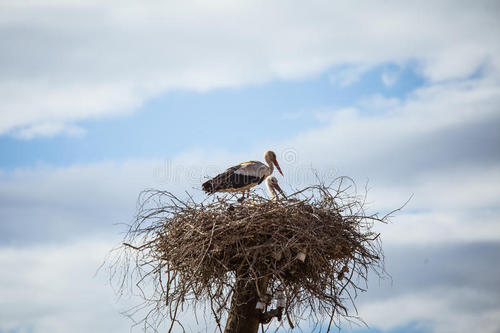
(100, 100)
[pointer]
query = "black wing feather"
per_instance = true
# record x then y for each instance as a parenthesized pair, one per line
(229, 179)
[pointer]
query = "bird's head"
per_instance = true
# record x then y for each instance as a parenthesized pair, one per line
(270, 157)
(273, 183)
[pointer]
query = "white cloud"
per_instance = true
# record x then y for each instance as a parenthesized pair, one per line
(432, 127)
(52, 288)
(389, 77)
(350, 75)
(48, 129)
(64, 61)
(442, 310)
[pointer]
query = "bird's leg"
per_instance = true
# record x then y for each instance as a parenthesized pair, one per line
(240, 200)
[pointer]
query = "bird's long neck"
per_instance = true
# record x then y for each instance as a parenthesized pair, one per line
(272, 193)
(270, 165)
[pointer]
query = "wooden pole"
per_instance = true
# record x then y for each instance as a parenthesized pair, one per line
(243, 316)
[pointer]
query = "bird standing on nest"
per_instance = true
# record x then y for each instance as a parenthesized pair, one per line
(242, 177)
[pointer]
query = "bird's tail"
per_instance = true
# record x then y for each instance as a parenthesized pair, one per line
(208, 186)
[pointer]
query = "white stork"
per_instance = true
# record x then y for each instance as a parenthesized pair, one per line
(272, 186)
(243, 176)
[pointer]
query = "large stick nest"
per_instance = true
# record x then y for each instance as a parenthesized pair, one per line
(317, 247)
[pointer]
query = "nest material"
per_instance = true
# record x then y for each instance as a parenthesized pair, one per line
(316, 247)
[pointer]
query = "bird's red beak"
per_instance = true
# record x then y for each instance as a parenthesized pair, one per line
(280, 190)
(278, 167)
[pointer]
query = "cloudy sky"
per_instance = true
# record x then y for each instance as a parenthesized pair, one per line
(101, 99)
